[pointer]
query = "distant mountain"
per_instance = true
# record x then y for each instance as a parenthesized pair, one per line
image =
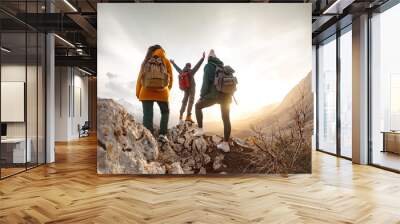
(277, 113)
(260, 113)
(300, 94)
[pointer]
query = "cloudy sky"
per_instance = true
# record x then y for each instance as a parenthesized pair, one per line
(269, 46)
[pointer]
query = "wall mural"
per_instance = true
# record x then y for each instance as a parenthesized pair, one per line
(204, 88)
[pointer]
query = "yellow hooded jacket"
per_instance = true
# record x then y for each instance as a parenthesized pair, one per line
(143, 93)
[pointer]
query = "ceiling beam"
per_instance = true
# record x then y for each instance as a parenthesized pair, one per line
(78, 61)
(337, 7)
(84, 24)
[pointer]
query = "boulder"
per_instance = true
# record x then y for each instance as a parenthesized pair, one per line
(167, 153)
(202, 171)
(195, 154)
(216, 139)
(175, 168)
(218, 161)
(124, 145)
(154, 168)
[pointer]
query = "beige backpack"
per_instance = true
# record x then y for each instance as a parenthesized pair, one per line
(155, 74)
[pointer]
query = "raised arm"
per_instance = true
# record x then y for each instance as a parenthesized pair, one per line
(197, 66)
(179, 70)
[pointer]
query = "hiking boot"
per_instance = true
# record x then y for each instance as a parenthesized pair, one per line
(224, 146)
(189, 119)
(180, 122)
(199, 132)
(163, 138)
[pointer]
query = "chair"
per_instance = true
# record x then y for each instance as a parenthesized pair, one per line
(84, 130)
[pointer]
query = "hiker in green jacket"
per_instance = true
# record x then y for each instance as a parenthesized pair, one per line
(210, 96)
(189, 89)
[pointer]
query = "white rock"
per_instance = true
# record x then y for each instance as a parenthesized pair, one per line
(154, 168)
(175, 168)
(207, 159)
(188, 170)
(202, 171)
(181, 140)
(200, 145)
(216, 139)
(218, 161)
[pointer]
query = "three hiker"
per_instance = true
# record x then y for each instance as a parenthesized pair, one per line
(188, 85)
(155, 81)
(153, 85)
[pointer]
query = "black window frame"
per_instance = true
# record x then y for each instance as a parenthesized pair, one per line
(333, 37)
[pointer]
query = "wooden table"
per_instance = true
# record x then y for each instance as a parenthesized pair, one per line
(391, 141)
(13, 150)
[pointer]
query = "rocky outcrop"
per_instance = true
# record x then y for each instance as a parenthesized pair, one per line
(126, 147)
(194, 154)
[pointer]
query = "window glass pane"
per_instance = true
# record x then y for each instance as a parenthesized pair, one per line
(327, 96)
(394, 102)
(32, 86)
(385, 86)
(13, 86)
(346, 93)
(31, 97)
(41, 98)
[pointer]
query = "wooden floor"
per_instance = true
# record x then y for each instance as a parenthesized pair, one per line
(387, 159)
(5, 172)
(70, 191)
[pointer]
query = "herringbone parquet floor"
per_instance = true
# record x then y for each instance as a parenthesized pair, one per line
(70, 191)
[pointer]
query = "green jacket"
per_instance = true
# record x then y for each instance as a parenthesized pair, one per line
(208, 89)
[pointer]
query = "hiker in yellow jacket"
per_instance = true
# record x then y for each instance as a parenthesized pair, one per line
(150, 94)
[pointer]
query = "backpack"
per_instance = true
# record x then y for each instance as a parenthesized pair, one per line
(224, 80)
(155, 74)
(184, 80)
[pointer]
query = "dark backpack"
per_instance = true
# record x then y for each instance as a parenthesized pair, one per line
(155, 74)
(224, 80)
(184, 80)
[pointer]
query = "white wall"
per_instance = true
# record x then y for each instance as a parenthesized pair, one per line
(33, 126)
(13, 73)
(81, 94)
(70, 84)
(62, 82)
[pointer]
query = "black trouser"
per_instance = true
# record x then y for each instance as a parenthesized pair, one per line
(148, 115)
(188, 97)
(225, 107)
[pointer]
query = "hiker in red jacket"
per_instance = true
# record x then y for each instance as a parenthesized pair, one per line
(188, 85)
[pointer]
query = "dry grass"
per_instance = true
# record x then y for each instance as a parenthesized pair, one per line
(284, 148)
